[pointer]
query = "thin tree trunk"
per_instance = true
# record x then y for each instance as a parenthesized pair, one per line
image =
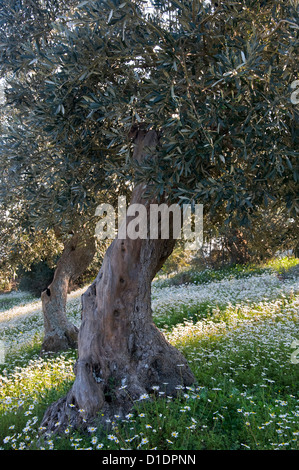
(59, 333)
(122, 354)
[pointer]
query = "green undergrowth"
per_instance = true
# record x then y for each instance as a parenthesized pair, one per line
(239, 341)
(203, 276)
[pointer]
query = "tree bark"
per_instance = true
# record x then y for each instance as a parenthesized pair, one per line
(121, 353)
(59, 333)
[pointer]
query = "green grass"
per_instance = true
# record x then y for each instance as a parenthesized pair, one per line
(193, 276)
(240, 351)
(8, 301)
(282, 264)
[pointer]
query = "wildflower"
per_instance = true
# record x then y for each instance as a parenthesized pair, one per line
(193, 425)
(94, 440)
(244, 445)
(51, 445)
(111, 437)
(174, 434)
(99, 446)
(91, 429)
(144, 396)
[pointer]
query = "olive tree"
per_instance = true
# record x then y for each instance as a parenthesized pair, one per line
(39, 189)
(182, 101)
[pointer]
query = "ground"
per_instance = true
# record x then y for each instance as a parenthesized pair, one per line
(237, 328)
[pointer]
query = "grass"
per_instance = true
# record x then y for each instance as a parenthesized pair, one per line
(193, 276)
(237, 332)
(13, 299)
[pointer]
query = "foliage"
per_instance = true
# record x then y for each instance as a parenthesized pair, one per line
(214, 79)
(37, 279)
(22, 247)
(271, 232)
(178, 260)
(56, 171)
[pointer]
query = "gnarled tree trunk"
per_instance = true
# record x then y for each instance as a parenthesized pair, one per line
(59, 333)
(122, 354)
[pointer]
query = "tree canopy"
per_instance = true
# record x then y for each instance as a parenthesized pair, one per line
(214, 78)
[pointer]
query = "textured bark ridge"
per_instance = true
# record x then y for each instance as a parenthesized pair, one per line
(59, 333)
(121, 354)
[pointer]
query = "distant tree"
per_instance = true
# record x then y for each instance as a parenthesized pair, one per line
(43, 181)
(21, 247)
(272, 232)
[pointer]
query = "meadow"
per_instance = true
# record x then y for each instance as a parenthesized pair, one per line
(238, 328)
